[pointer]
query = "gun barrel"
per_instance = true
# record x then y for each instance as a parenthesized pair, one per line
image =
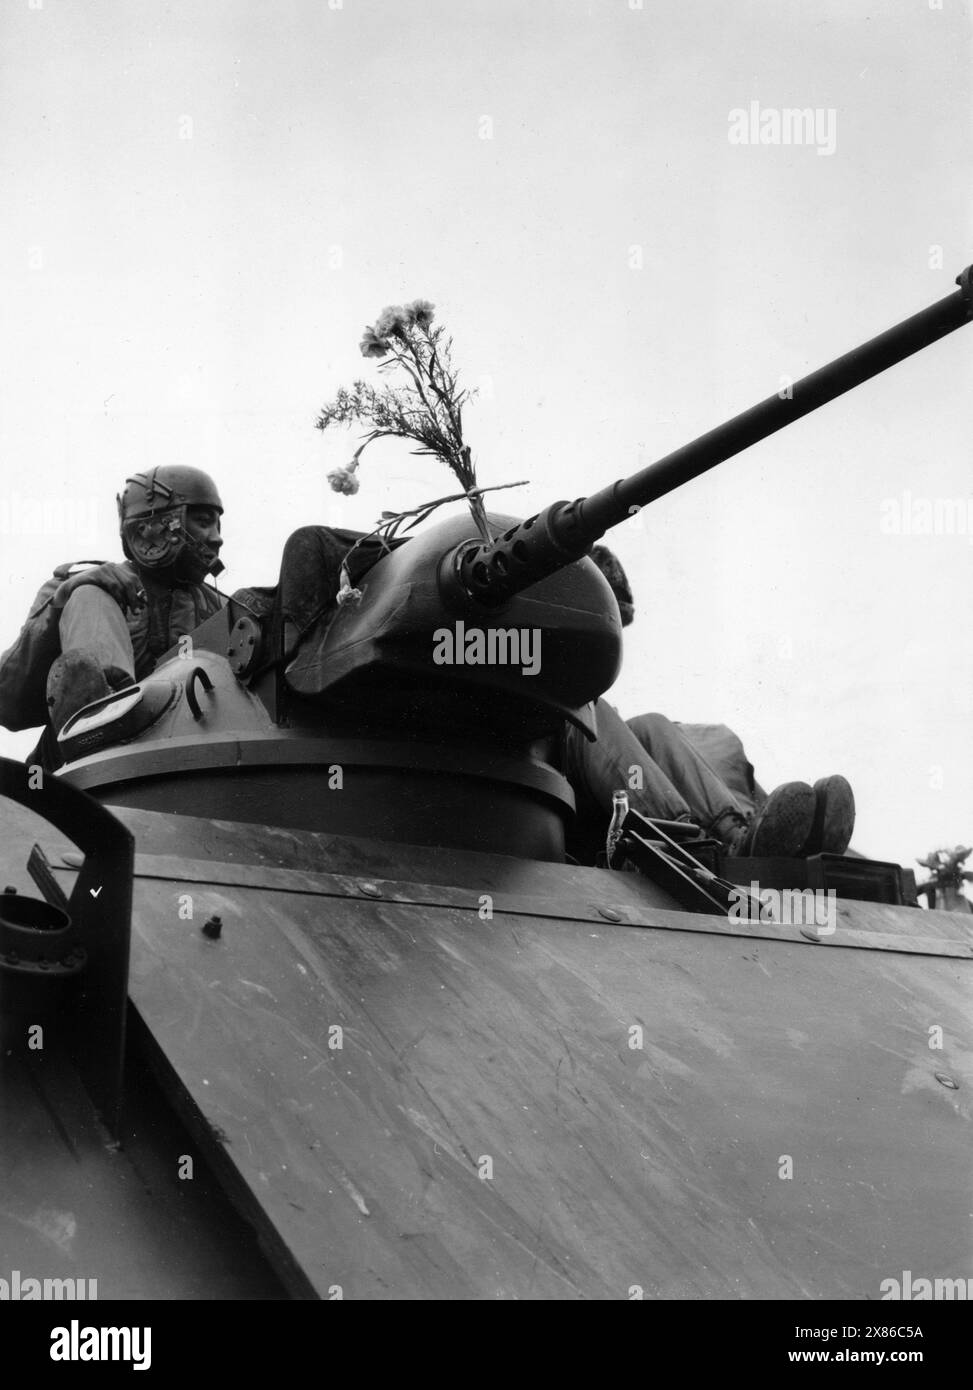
(565, 531)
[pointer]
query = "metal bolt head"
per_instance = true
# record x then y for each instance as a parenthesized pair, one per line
(948, 1081)
(610, 914)
(371, 889)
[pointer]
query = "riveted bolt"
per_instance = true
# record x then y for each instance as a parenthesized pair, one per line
(610, 914)
(371, 889)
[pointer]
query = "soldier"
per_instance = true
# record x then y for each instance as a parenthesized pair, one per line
(97, 627)
(700, 773)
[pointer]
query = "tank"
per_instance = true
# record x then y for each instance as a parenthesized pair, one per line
(321, 997)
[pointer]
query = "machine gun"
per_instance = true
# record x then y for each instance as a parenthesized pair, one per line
(565, 531)
(529, 577)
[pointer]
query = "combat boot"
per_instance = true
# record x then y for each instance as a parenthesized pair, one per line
(75, 680)
(780, 828)
(834, 817)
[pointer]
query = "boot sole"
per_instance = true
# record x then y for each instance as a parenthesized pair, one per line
(785, 822)
(834, 817)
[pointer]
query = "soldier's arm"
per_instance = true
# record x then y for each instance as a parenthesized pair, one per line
(119, 581)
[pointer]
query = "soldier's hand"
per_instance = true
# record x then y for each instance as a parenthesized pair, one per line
(121, 585)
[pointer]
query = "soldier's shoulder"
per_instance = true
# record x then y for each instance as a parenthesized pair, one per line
(65, 571)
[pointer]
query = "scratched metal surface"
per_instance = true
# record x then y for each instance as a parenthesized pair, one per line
(74, 1206)
(612, 1166)
(159, 836)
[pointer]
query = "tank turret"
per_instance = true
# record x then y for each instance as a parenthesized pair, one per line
(451, 575)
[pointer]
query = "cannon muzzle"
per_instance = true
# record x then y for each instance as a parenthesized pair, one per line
(564, 531)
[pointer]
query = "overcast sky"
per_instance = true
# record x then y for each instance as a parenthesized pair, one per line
(204, 204)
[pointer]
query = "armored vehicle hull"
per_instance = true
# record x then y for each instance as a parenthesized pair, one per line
(413, 1073)
(314, 1005)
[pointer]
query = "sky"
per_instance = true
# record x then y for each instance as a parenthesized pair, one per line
(203, 206)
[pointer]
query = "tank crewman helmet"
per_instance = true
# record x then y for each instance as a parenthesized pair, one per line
(152, 520)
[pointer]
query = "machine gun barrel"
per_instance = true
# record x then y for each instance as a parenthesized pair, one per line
(565, 531)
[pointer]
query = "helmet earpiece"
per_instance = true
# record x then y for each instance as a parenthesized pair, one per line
(154, 542)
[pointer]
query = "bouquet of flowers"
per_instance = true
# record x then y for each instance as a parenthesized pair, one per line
(427, 408)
